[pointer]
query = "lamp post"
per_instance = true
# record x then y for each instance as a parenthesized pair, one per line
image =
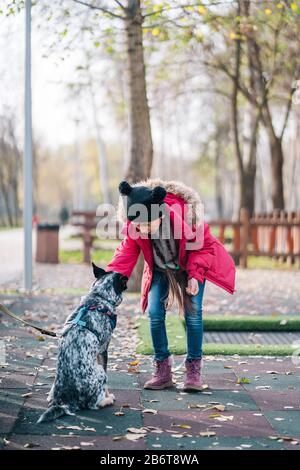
(27, 166)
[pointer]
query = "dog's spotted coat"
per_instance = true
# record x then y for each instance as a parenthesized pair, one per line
(80, 378)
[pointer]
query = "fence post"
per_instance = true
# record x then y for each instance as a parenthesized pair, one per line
(289, 239)
(244, 230)
(297, 240)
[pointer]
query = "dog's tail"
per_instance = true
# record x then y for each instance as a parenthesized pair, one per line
(54, 412)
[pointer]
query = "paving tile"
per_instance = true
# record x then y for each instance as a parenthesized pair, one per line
(2, 437)
(263, 365)
(244, 423)
(37, 400)
(19, 361)
(275, 382)
(126, 397)
(86, 442)
(11, 402)
(103, 421)
(13, 396)
(227, 381)
(175, 400)
(285, 423)
(167, 442)
(15, 380)
(122, 380)
(268, 400)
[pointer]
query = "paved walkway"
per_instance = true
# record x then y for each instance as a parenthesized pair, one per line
(247, 403)
(258, 291)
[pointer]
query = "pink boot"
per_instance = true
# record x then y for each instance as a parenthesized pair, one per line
(162, 378)
(192, 378)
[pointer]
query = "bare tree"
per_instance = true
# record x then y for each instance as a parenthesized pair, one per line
(10, 163)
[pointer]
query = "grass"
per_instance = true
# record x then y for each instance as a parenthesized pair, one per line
(76, 256)
(264, 262)
(251, 323)
(175, 331)
(211, 349)
(177, 342)
(7, 228)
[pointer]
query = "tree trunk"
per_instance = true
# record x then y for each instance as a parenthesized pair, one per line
(218, 180)
(277, 173)
(247, 189)
(258, 89)
(141, 148)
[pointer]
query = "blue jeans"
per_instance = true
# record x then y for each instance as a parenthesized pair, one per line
(157, 300)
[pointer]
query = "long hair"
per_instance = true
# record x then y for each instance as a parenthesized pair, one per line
(177, 284)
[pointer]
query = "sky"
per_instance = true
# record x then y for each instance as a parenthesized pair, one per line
(53, 113)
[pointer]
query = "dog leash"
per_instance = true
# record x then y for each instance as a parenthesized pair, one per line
(26, 323)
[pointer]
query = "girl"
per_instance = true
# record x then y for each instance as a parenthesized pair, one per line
(152, 211)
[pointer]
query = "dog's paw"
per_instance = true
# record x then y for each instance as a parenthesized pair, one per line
(111, 395)
(107, 401)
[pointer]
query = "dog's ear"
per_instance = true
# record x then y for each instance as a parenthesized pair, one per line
(98, 272)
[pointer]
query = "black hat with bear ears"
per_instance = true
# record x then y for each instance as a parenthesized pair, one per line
(149, 202)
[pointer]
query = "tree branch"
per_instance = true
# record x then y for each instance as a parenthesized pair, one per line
(104, 10)
(287, 113)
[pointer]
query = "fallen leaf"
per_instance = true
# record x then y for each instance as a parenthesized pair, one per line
(73, 428)
(137, 430)
(30, 445)
(148, 410)
(196, 405)
(89, 429)
(133, 363)
(40, 338)
(183, 426)
(134, 437)
(207, 433)
(219, 407)
(243, 380)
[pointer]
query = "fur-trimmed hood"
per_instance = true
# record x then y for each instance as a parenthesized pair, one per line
(188, 194)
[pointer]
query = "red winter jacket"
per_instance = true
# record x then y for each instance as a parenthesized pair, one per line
(211, 261)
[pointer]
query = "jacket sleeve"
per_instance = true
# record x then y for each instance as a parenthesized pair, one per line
(125, 257)
(200, 260)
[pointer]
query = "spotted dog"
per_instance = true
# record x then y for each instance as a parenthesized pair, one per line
(82, 357)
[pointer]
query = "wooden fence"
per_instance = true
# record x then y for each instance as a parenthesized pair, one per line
(275, 235)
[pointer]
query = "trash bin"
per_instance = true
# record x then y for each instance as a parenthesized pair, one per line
(47, 243)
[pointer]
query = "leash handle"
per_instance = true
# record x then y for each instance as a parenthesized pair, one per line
(15, 317)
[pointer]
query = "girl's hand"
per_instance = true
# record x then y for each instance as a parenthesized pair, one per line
(192, 287)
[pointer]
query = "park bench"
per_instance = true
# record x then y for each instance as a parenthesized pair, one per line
(87, 222)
